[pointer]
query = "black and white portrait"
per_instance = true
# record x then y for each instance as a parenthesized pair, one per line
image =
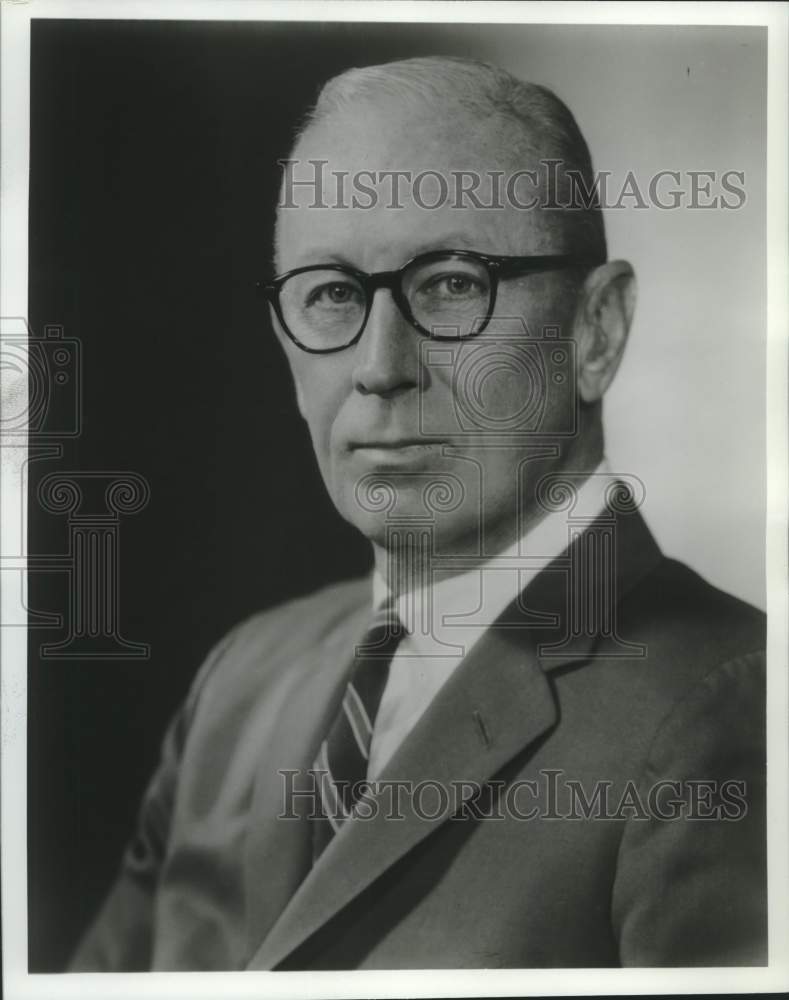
(389, 468)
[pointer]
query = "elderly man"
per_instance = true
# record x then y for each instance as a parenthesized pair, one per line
(531, 739)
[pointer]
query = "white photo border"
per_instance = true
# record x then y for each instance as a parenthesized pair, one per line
(15, 66)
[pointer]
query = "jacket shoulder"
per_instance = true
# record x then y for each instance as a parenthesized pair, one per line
(680, 612)
(261, 646)
(691, 641)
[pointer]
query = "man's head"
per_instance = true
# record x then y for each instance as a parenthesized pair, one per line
(487, 415)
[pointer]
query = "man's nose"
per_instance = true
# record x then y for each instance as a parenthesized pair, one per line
(387, 356)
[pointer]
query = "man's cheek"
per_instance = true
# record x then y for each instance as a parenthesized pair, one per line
(307, 384)
(322, 413)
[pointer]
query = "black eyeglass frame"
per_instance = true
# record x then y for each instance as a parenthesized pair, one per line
(498, 267)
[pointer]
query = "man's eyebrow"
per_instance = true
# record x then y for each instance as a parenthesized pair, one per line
(448, 241)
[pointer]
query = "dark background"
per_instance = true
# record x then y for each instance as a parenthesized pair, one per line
(152, 191)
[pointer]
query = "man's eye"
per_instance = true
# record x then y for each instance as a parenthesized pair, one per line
(335, 294)
(454, 286)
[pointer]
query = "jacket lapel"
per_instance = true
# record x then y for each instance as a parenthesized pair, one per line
(494, 706)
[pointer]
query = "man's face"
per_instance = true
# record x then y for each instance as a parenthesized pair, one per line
(381, 412)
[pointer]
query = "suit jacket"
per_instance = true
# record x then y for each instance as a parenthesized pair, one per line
(668, 687)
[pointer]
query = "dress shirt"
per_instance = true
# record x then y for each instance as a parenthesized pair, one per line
(461, 608)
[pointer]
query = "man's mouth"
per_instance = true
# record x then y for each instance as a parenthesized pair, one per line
(396, 444)
(393, 452)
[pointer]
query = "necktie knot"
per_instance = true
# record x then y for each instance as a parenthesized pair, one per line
(384, 632)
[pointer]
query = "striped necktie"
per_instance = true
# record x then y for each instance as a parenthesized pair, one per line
(341, 763)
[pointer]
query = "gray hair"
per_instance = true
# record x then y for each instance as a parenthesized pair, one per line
(490, 94)
(493, 95)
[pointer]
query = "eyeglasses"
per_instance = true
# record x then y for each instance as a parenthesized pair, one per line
(444, 294)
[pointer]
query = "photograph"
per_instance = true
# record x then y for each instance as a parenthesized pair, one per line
(394, 531)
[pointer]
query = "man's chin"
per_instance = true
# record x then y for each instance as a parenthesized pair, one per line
(410, 532)
(380, 501)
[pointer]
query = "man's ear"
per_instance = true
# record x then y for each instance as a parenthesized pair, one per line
(602, 322)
